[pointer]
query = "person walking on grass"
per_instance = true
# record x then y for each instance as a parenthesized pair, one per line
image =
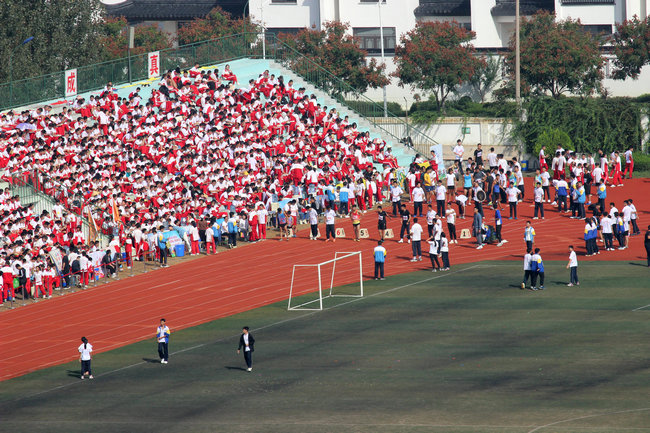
(379, 254)
(528, 259)
(477, 228)
(85, 349)
(529, 235)
(537, 269)
(573, 267)
(416, 236)
(163, 342)
(247, 342)
(355, 216)
(646, 244)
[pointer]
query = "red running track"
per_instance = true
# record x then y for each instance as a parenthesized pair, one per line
(205, 289)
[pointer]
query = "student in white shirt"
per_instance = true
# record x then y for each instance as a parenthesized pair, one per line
(573, 266)
(330, 217)
(85, 349)
(451, 223)
(416, 238)
(418, 198)
(247, 342)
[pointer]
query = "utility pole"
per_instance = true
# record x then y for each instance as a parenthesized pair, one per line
(517, 58)
(383, 58)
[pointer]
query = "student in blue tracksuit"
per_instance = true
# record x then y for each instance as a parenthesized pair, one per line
(380, 258)
(498, 223)
(344, 197)
(581, 198)
(561, 190)
(233, 229)
(537, 270)
(602, 195)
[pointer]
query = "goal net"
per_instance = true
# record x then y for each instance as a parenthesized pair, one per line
(340, 277)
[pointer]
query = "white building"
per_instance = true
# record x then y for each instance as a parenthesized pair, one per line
(493, 21)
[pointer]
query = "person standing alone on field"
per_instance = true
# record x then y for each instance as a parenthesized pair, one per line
(573, 267)
(247, 342)
(163, 342)
(646, 243)
(379, 254)
(85, 350)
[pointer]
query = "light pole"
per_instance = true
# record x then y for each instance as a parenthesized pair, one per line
(517, 58)
(383, 59)
(11, 67)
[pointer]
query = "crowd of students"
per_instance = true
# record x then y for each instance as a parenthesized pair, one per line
(200, 150)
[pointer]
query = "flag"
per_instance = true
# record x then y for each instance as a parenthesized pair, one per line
(93, 232)
(115, 211)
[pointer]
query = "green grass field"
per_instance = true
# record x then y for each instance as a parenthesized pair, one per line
(462, 351)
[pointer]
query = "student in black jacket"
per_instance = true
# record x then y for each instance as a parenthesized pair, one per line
(247, 342)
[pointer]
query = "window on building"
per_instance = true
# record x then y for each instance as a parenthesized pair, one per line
(285, 1)
(372, 1)
(287, 30)
(598, 29)
(370, 40)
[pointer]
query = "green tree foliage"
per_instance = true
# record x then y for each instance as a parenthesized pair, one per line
(591, 123)
(551, 137)
(339, 53)
(146, 38)
(486, 75)
(632, 47)
(66, 34)
(557, 56)
(436, 57)
(218, 23)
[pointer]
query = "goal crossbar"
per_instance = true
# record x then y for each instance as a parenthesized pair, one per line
(308, 306)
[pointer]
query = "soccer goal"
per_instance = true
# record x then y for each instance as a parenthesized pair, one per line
(312, 283)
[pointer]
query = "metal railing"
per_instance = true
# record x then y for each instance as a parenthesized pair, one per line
(37, 188)
(238, 46)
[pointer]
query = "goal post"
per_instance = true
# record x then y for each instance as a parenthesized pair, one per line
(319, 270)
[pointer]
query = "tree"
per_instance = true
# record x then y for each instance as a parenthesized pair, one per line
(146, 38)
(557, 56)
(66, 34)
(632, 47)
(216, 24)
(436, 57)
(339, 53)
(486, 76)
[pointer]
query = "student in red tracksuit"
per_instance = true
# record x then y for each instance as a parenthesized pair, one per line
(262, 215)
(194, 238)
(7, 282)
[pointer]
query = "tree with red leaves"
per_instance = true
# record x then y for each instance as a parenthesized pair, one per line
(631, 47)
(338, 52)
(557, 56)
(436, 57)
(216, 24)
(146, 38)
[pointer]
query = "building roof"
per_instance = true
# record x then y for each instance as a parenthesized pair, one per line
(588, 2)
(443, 8)
(526, 7)
(170, 10)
